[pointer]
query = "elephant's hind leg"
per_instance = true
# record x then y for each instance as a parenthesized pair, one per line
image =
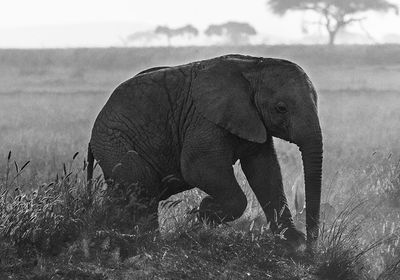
(133, 169)
(136, 179)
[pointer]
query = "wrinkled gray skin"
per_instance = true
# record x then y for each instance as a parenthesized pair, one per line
(175, 128)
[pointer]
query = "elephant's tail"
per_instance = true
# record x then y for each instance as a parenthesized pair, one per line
(90, 163)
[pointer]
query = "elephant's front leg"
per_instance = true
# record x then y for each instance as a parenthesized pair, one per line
(207, 164)
(263, 173)
(226, 201)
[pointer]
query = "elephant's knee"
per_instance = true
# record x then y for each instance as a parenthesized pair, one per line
(235, 206)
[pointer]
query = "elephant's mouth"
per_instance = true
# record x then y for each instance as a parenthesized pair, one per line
(283, 131)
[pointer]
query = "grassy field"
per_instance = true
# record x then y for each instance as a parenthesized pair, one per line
(50, 98)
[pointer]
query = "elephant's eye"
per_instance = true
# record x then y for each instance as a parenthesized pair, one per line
(281, 108)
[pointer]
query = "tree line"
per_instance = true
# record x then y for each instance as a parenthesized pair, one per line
(333, 15)
(234, 32)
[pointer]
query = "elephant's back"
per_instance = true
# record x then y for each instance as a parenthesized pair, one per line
(137, 101)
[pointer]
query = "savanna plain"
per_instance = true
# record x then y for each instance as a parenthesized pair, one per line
(49, 100)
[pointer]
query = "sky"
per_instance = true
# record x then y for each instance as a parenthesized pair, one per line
(99, 23)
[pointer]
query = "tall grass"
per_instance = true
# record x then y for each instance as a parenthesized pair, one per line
(70, 219)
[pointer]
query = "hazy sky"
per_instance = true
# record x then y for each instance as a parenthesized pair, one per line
(60, 23)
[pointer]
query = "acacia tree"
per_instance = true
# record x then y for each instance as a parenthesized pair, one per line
(164, 30)
(336, 14)
(237, 32)
(189, 30)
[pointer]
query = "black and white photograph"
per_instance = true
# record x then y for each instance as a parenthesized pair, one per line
(213, 139)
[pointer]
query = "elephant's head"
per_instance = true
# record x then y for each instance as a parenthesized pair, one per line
(253, 97)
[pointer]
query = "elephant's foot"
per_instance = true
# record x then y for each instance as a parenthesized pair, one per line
(295, 236)
(214, 213)
(294, 239)
(210, 212)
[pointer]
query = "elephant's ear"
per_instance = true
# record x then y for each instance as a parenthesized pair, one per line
(223, 96)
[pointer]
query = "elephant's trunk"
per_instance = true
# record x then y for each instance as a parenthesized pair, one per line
(311, 151)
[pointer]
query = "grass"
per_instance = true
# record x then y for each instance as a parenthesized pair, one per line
(66, 230)
(50, 98)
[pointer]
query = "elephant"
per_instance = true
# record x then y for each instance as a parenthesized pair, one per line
(175, 128)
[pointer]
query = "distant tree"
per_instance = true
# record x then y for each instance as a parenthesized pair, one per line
(140, 37)
(336, 14)
(164, 30)
(188, 30)
(237, 32)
